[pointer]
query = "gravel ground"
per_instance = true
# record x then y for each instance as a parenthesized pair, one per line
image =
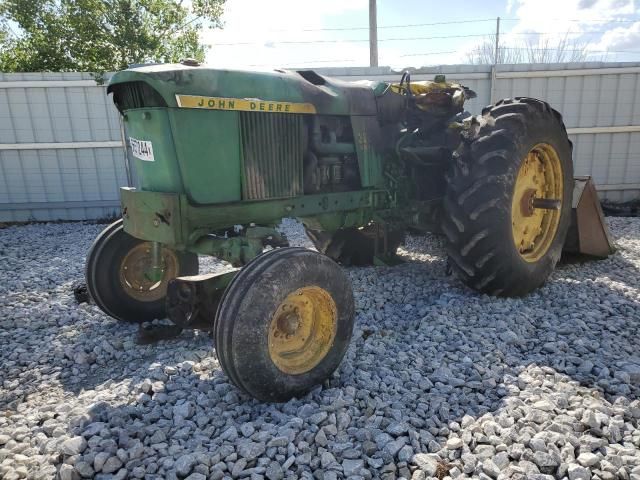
(437, 381)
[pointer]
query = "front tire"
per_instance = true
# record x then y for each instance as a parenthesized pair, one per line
(92, 253)
(115, 278)
(284, 323)
(519, 155)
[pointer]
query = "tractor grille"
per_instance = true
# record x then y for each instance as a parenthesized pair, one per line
(272, 145)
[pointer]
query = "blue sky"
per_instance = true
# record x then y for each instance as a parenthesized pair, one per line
(264, 33)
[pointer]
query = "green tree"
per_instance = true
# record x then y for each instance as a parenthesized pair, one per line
(101, 35)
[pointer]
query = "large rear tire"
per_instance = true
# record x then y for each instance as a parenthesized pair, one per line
(284, 323)
(518, 156)
(115, 272)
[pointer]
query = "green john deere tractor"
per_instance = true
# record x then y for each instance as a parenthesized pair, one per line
(223, 155)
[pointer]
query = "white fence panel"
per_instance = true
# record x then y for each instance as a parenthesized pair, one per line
(61, 155)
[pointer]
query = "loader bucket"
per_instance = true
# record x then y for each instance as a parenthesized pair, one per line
(588, 233)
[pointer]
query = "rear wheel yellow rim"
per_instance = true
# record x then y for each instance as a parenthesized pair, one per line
(302, 330)
(539, 177)
(134, 270)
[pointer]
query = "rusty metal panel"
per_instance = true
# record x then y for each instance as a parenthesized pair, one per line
(588, 233)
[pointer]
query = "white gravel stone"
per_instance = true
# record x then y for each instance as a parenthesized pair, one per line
(490, 468)
(454, 443)
(436, 376)
(428, 463)
(66, 472)
(588, 459)
(74, 446)
(578, 472)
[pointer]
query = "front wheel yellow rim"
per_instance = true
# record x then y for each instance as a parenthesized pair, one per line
(134, 273)
(302, 330)
(537, 202)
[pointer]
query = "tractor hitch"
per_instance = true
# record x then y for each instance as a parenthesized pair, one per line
(192, 301)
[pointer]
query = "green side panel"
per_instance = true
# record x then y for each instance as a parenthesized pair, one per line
(208, 148)
(152, 125)
(272, 145)
(369, 148)
(152, 215)
(174, 220)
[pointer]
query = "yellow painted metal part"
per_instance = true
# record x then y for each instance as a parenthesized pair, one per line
(302, 330)
(425, 86)
(539, 177)
(243, 104)
(422, 89)
(134, 268)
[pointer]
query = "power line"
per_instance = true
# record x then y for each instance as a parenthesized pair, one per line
(427, 54)
(578, 32)
(8, 24)
(301, 63)
(304, 42)
(451, 22)
(184, 25)
(586, 51)
(410, 25)
(575, 20)
(400, 39)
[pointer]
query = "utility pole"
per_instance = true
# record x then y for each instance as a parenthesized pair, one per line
(373, 34)
(496, 60)
(497, 57)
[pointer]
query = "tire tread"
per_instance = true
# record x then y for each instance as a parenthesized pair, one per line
(478, 196)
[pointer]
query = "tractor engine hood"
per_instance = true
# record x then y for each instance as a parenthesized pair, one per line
(176, 85)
